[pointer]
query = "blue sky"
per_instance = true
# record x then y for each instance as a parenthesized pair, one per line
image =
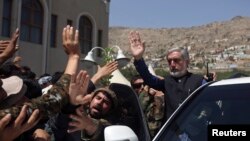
(174, 13)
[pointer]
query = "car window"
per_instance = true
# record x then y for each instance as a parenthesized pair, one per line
(210, 106)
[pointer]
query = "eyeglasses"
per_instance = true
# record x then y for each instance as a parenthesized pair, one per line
(175, 60)
(137, 85)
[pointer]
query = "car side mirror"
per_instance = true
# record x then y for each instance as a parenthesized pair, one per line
(119, 133)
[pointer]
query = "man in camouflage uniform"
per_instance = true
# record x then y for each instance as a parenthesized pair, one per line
(89, 121)
(152, 103)
(60, 94)
(65, 91)
(49, 104)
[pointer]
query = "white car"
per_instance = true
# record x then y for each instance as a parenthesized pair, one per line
(214, 110)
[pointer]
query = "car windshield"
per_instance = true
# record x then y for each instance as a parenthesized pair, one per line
(212, 105)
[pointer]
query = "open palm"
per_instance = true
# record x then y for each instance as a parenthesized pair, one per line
(137, 47)
(78, 88)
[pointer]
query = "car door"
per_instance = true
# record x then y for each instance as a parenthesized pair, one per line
(208, 106)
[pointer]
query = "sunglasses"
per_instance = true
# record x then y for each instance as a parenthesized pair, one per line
(137, 85)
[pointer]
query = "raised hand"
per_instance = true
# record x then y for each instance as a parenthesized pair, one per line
(71, 41)
(78, 88)
(72, 49)
(3, 45)
(137, 47)
(82, 121)
(106, 70)
(8, 48)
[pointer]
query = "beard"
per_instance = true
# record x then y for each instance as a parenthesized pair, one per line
(96, 111)
(178, 74)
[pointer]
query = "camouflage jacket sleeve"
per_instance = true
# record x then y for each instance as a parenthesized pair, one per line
(145, 100)
(155, 114)
(49, 104)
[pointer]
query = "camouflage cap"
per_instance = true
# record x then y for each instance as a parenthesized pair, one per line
(109, 93)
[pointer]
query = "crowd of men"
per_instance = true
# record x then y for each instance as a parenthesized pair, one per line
(68, 106)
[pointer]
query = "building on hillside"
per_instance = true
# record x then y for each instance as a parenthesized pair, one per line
(41, 23)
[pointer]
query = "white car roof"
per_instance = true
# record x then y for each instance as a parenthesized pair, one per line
(232, 81)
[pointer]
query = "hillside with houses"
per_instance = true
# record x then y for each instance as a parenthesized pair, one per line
(225, 45)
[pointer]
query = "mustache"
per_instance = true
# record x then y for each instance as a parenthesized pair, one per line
(98, 107)
(174, 70)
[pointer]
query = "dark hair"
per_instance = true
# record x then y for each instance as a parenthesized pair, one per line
(56, 76)
(28, 74)
(109, 94)
(26, 68)
(134, 78)
(31, 75)
(33, 89)
(8, 69)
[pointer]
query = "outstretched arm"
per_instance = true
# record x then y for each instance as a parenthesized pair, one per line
(106, 70)
(137, 48)
(92, 129)
(58, 96)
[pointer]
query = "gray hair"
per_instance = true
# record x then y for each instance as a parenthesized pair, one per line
(182, 50)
